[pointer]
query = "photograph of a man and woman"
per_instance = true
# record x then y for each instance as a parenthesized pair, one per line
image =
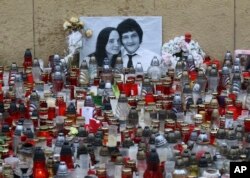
(244, 57)
(134, 39)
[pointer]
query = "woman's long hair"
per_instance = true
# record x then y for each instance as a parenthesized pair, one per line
(101, 43)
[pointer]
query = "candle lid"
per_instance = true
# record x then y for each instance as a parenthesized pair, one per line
(152, 139)
(146, 132)
(82, 150)
(203, 162)
(66, 149)
(62, 169)
(127, 142)
(160, 140)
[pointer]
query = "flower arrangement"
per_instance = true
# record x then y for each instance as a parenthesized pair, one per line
(76, 33)
(74, 24)
(174, 49)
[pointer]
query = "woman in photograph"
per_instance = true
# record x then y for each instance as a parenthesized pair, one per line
(108, 46)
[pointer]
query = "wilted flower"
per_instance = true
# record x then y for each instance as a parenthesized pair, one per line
(81, 24)
(74, 20)
(73, 24)
(76, 33)
(66, 25)
(88, 33)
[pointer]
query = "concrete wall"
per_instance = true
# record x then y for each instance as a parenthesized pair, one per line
(218, 25)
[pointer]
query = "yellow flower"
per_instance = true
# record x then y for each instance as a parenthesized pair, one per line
(81, 24)
(73, 131)
(88, 33)
(66, 25)
(74, 20)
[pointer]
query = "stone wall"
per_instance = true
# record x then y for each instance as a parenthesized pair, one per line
(218, 25)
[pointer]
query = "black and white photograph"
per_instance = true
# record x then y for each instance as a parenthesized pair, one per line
(244, 56)
(134, 39)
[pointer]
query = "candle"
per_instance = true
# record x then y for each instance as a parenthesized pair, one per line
(51, 102)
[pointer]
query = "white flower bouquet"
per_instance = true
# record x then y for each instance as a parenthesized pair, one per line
(76, 32)
(172, 51)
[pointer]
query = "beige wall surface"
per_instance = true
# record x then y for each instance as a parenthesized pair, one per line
(218, 25)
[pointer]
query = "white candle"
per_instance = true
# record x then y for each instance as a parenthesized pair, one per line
(79, 105)
(51, 102)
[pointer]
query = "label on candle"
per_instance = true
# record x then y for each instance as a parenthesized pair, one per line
(6, 78)
(116, 91)
(245, 113)
(87, 113)
(113, 103)
(51, 102)
(112, 140)
(93, 90)
(208, 98)
(79, 105)
(229, 123)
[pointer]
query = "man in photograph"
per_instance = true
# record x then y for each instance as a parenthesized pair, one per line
(131, 35)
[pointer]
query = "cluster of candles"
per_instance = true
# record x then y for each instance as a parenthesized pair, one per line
(101, 122)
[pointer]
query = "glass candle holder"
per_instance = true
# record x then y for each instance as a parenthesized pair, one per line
(35, 121)
(167, 88)
(149, 98)
(43, 113)
(51, 113)
(43, 131)
(127, 89)
(51, 102)
(212, 136)
(247, 125)
(60, 122)
(134, 89)
(62, 109)
(170, 124)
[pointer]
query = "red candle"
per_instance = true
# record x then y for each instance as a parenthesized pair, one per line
(185, 134)
(43, 113)
(73, 79)
(238, 105)
(40, 173)
(51, 113)
(1, 96)
(29, 76)
(134, 89)
(234, 110)
(127, 89)
(170, 124)
(49, 141)
(96, 81)
(159, 88)
(58, 85)
(167, 88)
(45, 77)
(43, 132)
(212, 137)
(192, 75)
(247, 124)
(132, 102)
(120, 85)
(149, 98)
(62, 109)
